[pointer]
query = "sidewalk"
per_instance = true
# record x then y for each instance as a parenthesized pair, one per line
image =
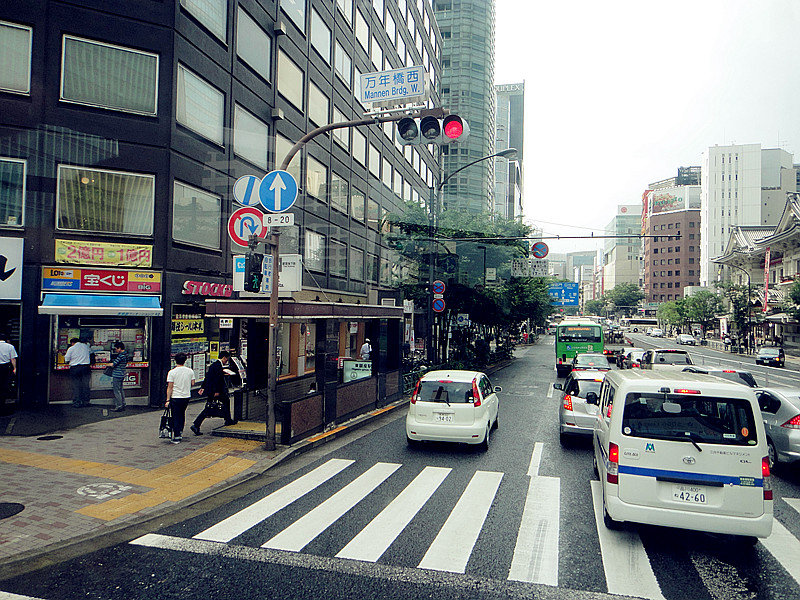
(86, 480)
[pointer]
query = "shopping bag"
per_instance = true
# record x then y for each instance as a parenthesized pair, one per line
(215, 407)
(165, 428)
(108, 371)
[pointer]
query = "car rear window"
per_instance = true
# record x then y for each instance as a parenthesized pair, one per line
(449, 392)
(672, 358)
(711, 420)
(586, 386)
(738, 377)
(769, 352)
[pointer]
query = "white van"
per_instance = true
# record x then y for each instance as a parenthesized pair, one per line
(682, 450)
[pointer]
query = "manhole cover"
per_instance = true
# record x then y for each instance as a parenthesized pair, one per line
(9, 509)
(47, 438)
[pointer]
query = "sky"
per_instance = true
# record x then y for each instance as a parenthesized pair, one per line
(620, 93)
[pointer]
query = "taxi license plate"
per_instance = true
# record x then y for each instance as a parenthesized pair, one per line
(444, 418)
(690, 494)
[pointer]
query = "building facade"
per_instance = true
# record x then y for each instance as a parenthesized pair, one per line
(510, 123)
(671, 254)
(621, 254)
(467, 89)
(741, 185)
(122, 132)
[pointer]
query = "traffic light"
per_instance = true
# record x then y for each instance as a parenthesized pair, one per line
(253, 272)
(431, 130)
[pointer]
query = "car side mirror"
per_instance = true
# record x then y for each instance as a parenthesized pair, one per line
(558, 386)
(591, 398)
(498, 389)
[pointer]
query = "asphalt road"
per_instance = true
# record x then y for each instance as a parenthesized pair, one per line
(368, 517)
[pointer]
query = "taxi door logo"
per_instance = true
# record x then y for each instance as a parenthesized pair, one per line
(650, 448)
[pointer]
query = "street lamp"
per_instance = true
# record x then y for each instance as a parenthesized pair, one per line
(483, 280)
(433, 212)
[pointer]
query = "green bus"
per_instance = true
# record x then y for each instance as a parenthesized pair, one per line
(576, 337)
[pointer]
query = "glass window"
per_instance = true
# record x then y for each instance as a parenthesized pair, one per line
(320, 36)
(385, 272)
(357, 84)
(109, 76)
(340, 190)
(315, 251)
(338, 259)
(341, 136)
(377, 54)
(253, 45)
(196, 215)
(373, 214)
(212, 14)
(104, 201)
(391, 28)
(346, 6)
(282, 147)
(296, 11)
(290, 80)
(318, 105)
(372, 268)
(316, 178)
(358, 205)
(360, 147)
(250, 137)
(356, 264)
(386, 174)
(378, 6)
(12, 192)
(362, 31)
(200, 106)
(374, 161)
(343, 64)
(15, 57)
(398, 184)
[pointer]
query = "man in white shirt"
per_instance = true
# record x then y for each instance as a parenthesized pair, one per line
(179, 391)
(8, 368)
(78, 357)
(366, 350)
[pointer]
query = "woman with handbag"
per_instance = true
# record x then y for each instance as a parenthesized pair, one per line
(216, 392)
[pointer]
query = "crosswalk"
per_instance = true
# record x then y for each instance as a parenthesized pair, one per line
(536, 553)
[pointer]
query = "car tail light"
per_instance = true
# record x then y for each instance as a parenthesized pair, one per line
(728, 371)
(685, 391)
(608, 412)
(767, 482)
(793, 423)
(416, 392)
(475, 394)
(612, 473)
(635, 364)
(567, 402)
(559, 361)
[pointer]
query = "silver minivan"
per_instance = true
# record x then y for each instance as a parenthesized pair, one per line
(682, 450)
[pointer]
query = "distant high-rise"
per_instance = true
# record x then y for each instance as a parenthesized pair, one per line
(621, 254)
(510, 121)
(467, 28)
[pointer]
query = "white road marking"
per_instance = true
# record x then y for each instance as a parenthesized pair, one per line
(784, 546)
(10, 596)
(536, 553)
(625, 561)
(295, 537)
(550, 391)
(236, 524)
(451, 549)
(536, 459)
(375, 538)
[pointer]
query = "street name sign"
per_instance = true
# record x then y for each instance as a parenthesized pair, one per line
(394, 85)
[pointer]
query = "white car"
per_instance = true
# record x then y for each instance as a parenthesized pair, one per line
(685, 338)
(453, 406)
(656, 332)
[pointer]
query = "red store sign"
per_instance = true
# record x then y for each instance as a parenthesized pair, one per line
(206, 288)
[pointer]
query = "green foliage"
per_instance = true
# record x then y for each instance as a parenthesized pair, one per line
(737, 296)
(675, 313)
(595, 307)
(625, 295)
(794, 296)
(703, 308)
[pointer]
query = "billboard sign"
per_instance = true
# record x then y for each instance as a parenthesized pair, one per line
(564, 294)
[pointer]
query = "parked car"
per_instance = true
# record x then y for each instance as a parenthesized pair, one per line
(771, 356)
(743, 377)
(666, 358)
(780, 409)
(685, 338)
(453, 406)
(577, 416)
(590, 361)
(631, 359)
(656, 332)
(689, 453)
(649, 331)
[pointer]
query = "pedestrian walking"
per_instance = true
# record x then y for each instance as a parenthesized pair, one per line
(179, 391)
(118, 376)
(366, 350)
(8, 368)
(216, 392)
(78, 357)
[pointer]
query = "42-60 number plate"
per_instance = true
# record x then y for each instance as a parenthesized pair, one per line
(690, 494)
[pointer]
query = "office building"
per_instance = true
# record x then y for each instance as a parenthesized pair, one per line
(621, 254)
(510, 123)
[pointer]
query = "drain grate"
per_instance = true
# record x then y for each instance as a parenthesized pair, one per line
(47, 438)
(9, 509)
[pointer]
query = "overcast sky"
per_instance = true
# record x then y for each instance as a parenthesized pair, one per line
(621, 93)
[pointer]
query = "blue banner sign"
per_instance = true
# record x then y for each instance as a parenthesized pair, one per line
(564, 294)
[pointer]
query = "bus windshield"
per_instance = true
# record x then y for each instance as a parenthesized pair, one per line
(579, 333)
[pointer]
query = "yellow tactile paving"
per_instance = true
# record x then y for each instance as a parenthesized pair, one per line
(175, 481)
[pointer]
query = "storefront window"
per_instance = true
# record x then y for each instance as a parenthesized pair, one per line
(189, 335)
(296, 349)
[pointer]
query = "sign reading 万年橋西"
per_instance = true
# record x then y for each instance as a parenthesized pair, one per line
(394, 85)
(99, 280)
(104, 253)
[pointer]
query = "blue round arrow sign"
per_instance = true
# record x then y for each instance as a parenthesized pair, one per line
(278, 191)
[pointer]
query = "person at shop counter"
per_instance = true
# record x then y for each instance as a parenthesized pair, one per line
(118, 376)
(78, 357)
(216, 392)
(8, 367)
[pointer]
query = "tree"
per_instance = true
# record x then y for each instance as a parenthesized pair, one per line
(674, 314)
(740, 304)
(794, 295)
(625, 296)
(595, 307)
(703, 308)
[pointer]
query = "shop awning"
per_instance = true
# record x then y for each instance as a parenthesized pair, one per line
(90, 304)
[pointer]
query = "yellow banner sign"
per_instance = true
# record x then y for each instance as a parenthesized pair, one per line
(100, 253)
(187, 326)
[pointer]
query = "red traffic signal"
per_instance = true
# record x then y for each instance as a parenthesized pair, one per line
(455, 128)
(431, 130)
